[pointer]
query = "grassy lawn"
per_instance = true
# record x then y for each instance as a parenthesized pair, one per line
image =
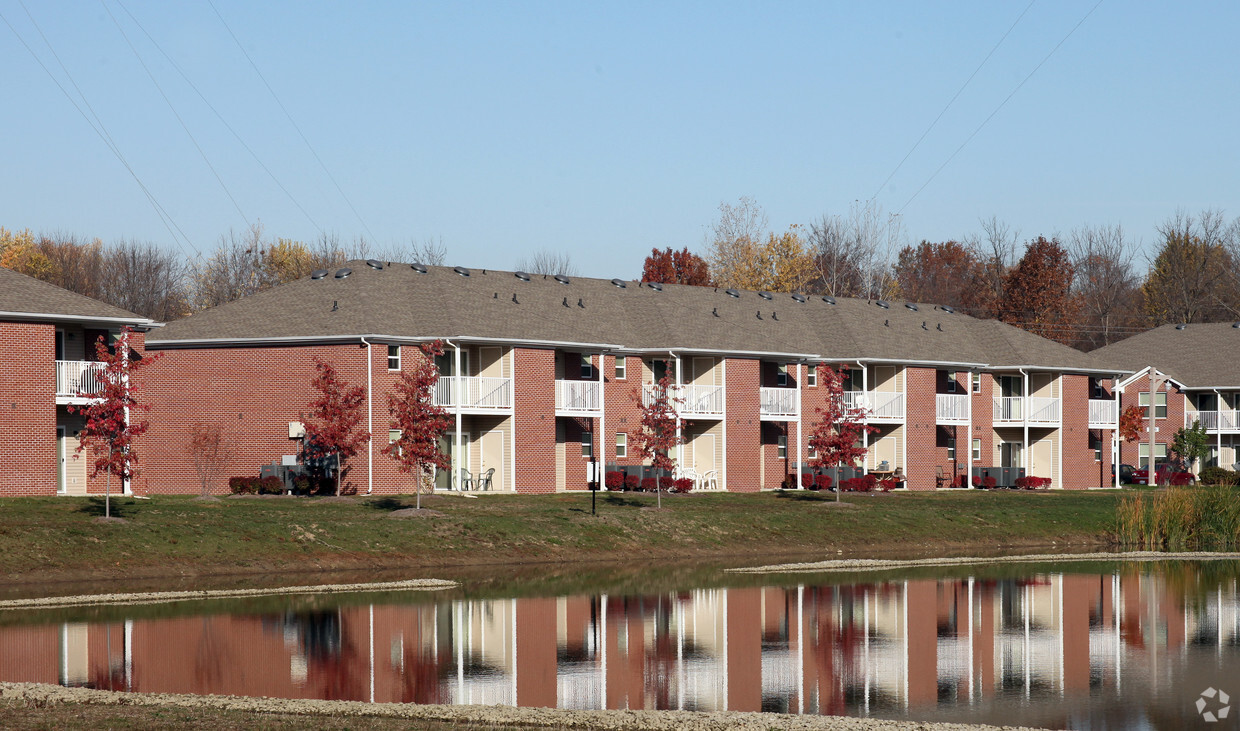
(62, 538)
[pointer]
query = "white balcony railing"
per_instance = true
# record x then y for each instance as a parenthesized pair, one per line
(951, 408)
(1010, 408)
(691, 400)
(78, 376)
(879, 405)
(1032, 409)
(1103, 414)
(1214, 421)
(577, 396)
(1043, 410)
(777, 402)
(477, 392)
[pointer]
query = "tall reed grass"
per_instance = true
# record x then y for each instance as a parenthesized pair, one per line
(1180, 519)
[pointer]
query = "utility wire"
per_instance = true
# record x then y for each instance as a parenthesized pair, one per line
(99, 128)
(202, 153)
(1001, 105)
(291, 120)
(220, 117)
(953, 99)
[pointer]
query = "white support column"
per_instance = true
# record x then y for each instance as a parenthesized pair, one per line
(680, 447)
(865, 395)
(602, 421)
(1115, 393)
(723, 467)
(370, 422)
(457, 395)
(968, 450)
(1024, 419)
(799, 454)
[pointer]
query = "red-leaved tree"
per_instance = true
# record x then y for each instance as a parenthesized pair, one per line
(1131, 423)
(676, 267)
(836, 435)
(335, 427)
(657, 436)
(1038, 292)
(420, 422)
(110, 428)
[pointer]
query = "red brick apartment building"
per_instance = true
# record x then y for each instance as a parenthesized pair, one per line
(47, 346)
(1197, 376)
(543, 373)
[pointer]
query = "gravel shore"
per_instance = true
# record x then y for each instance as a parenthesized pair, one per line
(873, 564)
(38, 695)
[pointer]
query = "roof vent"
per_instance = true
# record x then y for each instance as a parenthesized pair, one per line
(561, 279)
(828, 299)
(342, 273)
(1236, 325)
(419, 268)
(1181, 326)
(318, 273)
(948, 310)
(522, 276)
(461, 270)
(732, 293)
(656, 286)
(374, 264)
(883, 304)
(619, 283)
(798, 297)
(911, 306)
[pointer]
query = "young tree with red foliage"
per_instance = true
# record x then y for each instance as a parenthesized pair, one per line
(1038, 294)
(336, 425)
(420, 422)
(657, 436)
(676, 267)
(110, 430)
(1131, 423)
(835, 436)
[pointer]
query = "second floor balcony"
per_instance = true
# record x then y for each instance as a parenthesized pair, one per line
(477, 394)
(880, 406)
(1103, 414)
(951, 408)
(1026, 410)
(692, 400)
(1223, 421)
(779, 404)
(578, 398)
(78, 381)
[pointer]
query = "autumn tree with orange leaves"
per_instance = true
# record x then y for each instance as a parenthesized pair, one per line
(1038, 293)
(945, 274)
(335, 427)
(676, 267)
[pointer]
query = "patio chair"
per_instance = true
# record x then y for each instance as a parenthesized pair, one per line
(710, 480)
(467, 480)
(484, 482)
(690, 474)
(939, 477)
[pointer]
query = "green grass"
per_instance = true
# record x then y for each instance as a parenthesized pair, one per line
(60, 538)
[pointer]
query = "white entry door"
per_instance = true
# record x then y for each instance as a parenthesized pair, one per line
(492, 457)
(61, 457)
(704, 453)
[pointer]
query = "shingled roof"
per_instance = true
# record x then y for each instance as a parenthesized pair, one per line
(400, 302)
(1202, 355)
(23, 297)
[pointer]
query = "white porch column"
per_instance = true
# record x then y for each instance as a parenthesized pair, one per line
(457, 395)
(800, 459)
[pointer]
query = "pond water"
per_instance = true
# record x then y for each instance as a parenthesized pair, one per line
(1058, 645)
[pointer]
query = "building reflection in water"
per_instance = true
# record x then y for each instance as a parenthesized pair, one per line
(881, 649)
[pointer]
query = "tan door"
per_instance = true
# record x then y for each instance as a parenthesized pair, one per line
(492, 456)
(704, 371)
(884, 379)
(490, 362)
(884, 449)
(1040, 462)
(704, 453)
(61, 455)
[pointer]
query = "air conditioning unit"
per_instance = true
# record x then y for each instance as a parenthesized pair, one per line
(296, 430)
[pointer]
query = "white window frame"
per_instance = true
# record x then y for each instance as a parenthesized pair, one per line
(811, 452)
(1160, 402)
(977, 450)
(951, 448)
(781, 446)
(621, 368)
(587, 367)
(587, 445)
(1143, 453)
(951, 382)
(622, 445)
(781, 374)
(976, 379)
(397, 357)
(811, 376)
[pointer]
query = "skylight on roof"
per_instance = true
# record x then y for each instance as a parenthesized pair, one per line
(342, 273)
(319, 273)
(562, 279)
(419, 268)
(732, 293)
(619, 283)
(461, 270)
(374, 264)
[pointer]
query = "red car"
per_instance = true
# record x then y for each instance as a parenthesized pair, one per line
(1163, 473)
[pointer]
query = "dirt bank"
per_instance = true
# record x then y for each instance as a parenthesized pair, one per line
(870, 564)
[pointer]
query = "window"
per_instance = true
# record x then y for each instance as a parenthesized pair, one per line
(977, 383)
(951, 447)
(393, 357)
(622, 445)
(781, 374)
(619, 367)
(811, 452)
(1095, 443)
(587, 444)
(811, 377)
(587, 367)
(977, 450)
(1160, 403)
(1095, 389)
(951, 381)
(781, 450)
(1160, 453)
(393, 435)
(850, 380)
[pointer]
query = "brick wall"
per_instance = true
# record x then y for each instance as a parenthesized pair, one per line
(1165, 428)
(534, 414)
(1080, 470)
(28, 409)
(923, 452)
(744, 425)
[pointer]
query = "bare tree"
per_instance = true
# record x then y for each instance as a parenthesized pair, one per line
(429, 251)
(234, 270)
(1192, 277)
(1106, 286)
(546, 261)
(76, 263)
(143, 278)
(854, 252)
(738, 232)
(996, 249)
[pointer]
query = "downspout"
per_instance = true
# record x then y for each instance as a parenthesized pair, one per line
(1024, 420)
(454, 478)
(601, 462)
(680, 447)
(1151, 478)
(1218, 426)
(370, 422)
(865, 400)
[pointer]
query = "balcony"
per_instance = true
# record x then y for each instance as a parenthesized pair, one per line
(692, 400)
(1010, 410)
(578, 398)
(479, 394)
(75, 377)
(1103, 414)
(880, 406)
(1227, 420)
(778, 404)
(951, 408)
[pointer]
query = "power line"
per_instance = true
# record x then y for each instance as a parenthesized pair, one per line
(1001, 105)
(99, 128)
(952, 100)
(220, 117)
(202, 153)
(290, 119)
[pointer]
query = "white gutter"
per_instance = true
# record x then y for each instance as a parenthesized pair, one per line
(725, 352)
(903, 361)
(135, 321)
(377, 337)
(370, 423)
(453, 479)
(1024, 418)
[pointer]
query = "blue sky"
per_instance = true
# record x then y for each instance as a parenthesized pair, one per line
(605, 129)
